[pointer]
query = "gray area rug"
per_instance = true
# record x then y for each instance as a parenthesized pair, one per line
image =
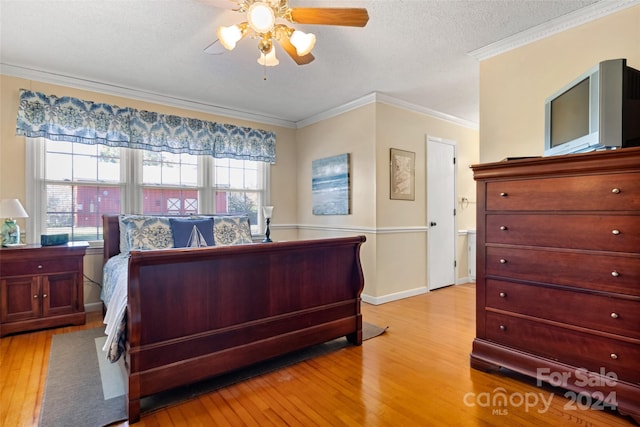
(82, 391)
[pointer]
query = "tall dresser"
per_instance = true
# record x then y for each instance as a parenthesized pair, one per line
(558, 274)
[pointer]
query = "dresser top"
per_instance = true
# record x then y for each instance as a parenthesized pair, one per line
(621, 160)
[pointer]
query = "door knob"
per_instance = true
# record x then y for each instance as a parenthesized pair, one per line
(432, 224)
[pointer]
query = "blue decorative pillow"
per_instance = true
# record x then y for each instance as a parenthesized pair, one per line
(192, 233)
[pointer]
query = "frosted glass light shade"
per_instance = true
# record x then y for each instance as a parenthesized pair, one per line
(303, 42)
(261, 17)
(269, 60)
(267, 211)
(229, 36)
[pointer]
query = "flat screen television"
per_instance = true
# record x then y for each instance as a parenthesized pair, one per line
(599, 110)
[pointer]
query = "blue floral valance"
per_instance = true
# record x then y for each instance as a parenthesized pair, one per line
(74, 120)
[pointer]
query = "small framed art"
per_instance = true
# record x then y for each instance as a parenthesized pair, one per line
(403, 175)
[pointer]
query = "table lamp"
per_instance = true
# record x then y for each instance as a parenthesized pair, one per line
(267, 211)
(11, 209)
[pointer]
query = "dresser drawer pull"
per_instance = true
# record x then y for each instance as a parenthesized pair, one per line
(503, 328)
(40, 266)
(615, 273)
(614, 315)
(616, 232)
(503, 194)
(44, 295)
(35, 297)
(503, 228)
(503, 261)
(502, 295)
(616, 191)
(613, 356)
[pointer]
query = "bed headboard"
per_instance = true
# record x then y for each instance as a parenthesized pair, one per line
(111, 232)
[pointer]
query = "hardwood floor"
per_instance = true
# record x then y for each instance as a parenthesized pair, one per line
(416, 374)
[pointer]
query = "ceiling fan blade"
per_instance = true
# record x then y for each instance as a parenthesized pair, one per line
(291, 50)
(351, 17)
(215, 48)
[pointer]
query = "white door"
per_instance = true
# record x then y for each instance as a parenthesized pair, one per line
(441, 220)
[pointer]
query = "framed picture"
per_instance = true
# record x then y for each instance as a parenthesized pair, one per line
(330, 185)
(403, 175)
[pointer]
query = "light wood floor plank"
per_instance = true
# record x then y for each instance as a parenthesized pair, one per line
(416, 374)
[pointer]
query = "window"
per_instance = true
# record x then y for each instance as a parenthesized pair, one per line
(77, 183)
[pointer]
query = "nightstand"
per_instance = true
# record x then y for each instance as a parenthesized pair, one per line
(41, 287)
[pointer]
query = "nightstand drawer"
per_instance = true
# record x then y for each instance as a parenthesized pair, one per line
(582, 269)
(617, 233)
(611, 192)
(613, 315)
(579, 349)
(43, 266)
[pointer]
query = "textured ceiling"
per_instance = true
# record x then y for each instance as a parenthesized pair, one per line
(413, 51)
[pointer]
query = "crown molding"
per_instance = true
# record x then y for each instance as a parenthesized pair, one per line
(384, 99)
(112, 89)
(581, 16)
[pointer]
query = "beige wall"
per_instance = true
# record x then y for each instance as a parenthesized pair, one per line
(514, 85)
(394, 257)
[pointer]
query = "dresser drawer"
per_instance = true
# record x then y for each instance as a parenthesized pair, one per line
(618, 233)
(608, 314)
(581, 269)
(580, 349)
(611, 192)
(43, 266)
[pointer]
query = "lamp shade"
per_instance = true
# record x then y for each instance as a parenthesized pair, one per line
(229, 36)
(12, 208)
(303, 42)
(267, 211)
(269, 60)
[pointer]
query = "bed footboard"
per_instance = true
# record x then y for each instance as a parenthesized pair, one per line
(198, 313)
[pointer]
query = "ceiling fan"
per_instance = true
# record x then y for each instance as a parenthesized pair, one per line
(264, 22)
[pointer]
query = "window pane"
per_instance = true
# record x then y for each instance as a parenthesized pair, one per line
(170, 169)
(59, 167)
(78, 210)
(85, 168)
(170, 201)
(237, 174)
(239, 202)
(108, 164)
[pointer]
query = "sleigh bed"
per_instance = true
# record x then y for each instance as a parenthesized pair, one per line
(194, 313)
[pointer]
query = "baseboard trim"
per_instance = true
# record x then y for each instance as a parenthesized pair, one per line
(369, 299)
(93, 306)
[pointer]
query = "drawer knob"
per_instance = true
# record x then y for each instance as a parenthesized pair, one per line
(613, 356)
(503, 328)
(503, 228)
(616, 232)
(503, 261)
(615, 191)
(44, 295)
(35, 297)
(503, 194)
(614, 315)
(502, 295)
(615, 273)
(40, 266)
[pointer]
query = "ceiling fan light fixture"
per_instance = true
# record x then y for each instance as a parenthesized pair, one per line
(261, 17)
(229, 36)
(269, 59)
(303, 42)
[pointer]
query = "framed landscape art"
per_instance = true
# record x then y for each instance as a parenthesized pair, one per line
(330, 185)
